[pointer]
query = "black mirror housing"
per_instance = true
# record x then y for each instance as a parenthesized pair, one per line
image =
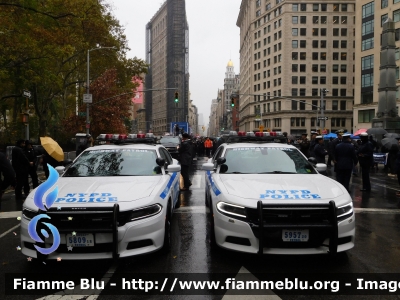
(160, 161)
(221, 160)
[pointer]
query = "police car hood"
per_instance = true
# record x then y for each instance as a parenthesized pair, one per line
(85, 190)
(281, 186)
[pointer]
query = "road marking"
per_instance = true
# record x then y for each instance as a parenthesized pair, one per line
(196, 181)
(8, 231)
(66, 294)
(245, 275)
(10, 214)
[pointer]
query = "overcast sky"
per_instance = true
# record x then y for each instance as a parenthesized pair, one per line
(213, 40)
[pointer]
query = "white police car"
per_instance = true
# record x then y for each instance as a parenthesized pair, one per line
(263, 196)
(113, 201)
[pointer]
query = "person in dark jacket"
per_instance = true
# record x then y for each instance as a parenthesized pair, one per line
(185, 154)
(345, 159)
(329, 163)
(319, 150)
(21, 166)
(8, 173)
(304, 145)
(365, 155)
(31, 154)
(398, 165)
(313, 142)
(335, 142)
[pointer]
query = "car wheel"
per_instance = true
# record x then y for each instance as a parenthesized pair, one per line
(167, 232)
(210, 227)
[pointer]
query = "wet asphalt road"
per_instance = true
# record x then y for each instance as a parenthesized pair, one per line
(377, 248)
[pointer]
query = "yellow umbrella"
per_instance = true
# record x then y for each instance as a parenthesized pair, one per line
(52, 148)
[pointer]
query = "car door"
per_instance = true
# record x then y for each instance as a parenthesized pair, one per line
(174, 178)
(209, 174)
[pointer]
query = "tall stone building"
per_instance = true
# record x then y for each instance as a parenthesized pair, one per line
(289, 52)
(167, 53)
(370, 16)
(230, 86)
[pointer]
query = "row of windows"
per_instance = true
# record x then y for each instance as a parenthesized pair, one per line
(317, 80)
(314, 92)
(303, 68)
(315, 44)
(319, 55)
(301, 122)
(319, 7)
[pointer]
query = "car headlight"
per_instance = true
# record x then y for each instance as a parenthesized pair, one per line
(144, 212)
(29, 214)
(344, 212)
(231, 210)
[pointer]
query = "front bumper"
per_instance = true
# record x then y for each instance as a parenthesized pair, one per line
(132, 238)
(325, 236)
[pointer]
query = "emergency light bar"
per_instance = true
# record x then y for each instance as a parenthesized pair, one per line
(257, 137)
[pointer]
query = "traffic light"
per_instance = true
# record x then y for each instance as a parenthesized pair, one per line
(232, 102)
(176, 97)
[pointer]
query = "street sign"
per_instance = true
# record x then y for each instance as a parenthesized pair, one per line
(323, 118)
(27, 94)
(82, 114)
(87, 98)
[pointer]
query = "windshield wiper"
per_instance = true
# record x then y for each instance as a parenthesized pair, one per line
(277, 172)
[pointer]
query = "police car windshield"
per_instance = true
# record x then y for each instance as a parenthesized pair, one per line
(169, 139)
(115, 162)
(265, 160)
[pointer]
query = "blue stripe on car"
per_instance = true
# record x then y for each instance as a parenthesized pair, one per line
(213, 186)
(168, 187)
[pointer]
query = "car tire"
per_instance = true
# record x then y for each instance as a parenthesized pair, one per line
(167, 231)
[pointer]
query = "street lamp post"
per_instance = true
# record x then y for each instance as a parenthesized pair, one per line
(89, 97)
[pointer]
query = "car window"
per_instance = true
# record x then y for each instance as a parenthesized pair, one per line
(114, 162)
(217, 155)
(165, 154)
(266, 160)
(170, 139)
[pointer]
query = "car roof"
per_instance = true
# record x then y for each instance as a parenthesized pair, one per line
(258, 144)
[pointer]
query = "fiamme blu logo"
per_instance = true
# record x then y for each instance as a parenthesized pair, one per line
(35, 234)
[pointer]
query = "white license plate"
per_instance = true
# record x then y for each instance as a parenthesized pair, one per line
(295, 235)
(80, 240)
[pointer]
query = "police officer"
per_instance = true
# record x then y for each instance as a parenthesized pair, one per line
(345, 158)
(313, 142)
(366, 158)
(319, 149)
(304, 144)
(21, 166)
(335, 142)
(185, 154)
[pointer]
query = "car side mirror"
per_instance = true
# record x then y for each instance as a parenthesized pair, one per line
(321, 167)
(60, 170)
(208, 167)
(221, 160)
(160, 161)
(312, 160)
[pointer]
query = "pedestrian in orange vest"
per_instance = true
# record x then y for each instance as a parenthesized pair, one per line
(208, 144)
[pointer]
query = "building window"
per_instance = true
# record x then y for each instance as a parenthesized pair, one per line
(343, 105)
(335, 55)
(315, 7)
(323, 7)
(294, 79)
(268, 7)
(335, 68)
(367, 97)
(314, 80)
(344, 19)
(335, 20)
(315, 44)
(294, 68)
(323, 44)
(335, 31)
(277, 123)
(368, 27)
(322, 68)
(295, 31)
(295, 20)
(315, 55)
(367, 62)
(315, 32)
(302, 103)
(302, 68)
(396, 15)
(315, 102)
(343, 44)
(303, 31)
(335, 7)
(368, 9)
(323, 56)
(366, 116)
(367, 80)
(335, 80)
(258, 13)
(335, 44)
(322, 80)
(302, 80)
(367, 44)
(397, 54)
(323, 32)
(343, 68)
(383, 19)
(334, 105)
(314, 68)
(343, 31)
(315, 19)
(294, 55)
(343, 56)
(295, 7)
(303, 20)
(384, 3)
(324, 19)
(343, 80)
(335, 92)
(295, 44)
(303, 7)
(294, 93)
